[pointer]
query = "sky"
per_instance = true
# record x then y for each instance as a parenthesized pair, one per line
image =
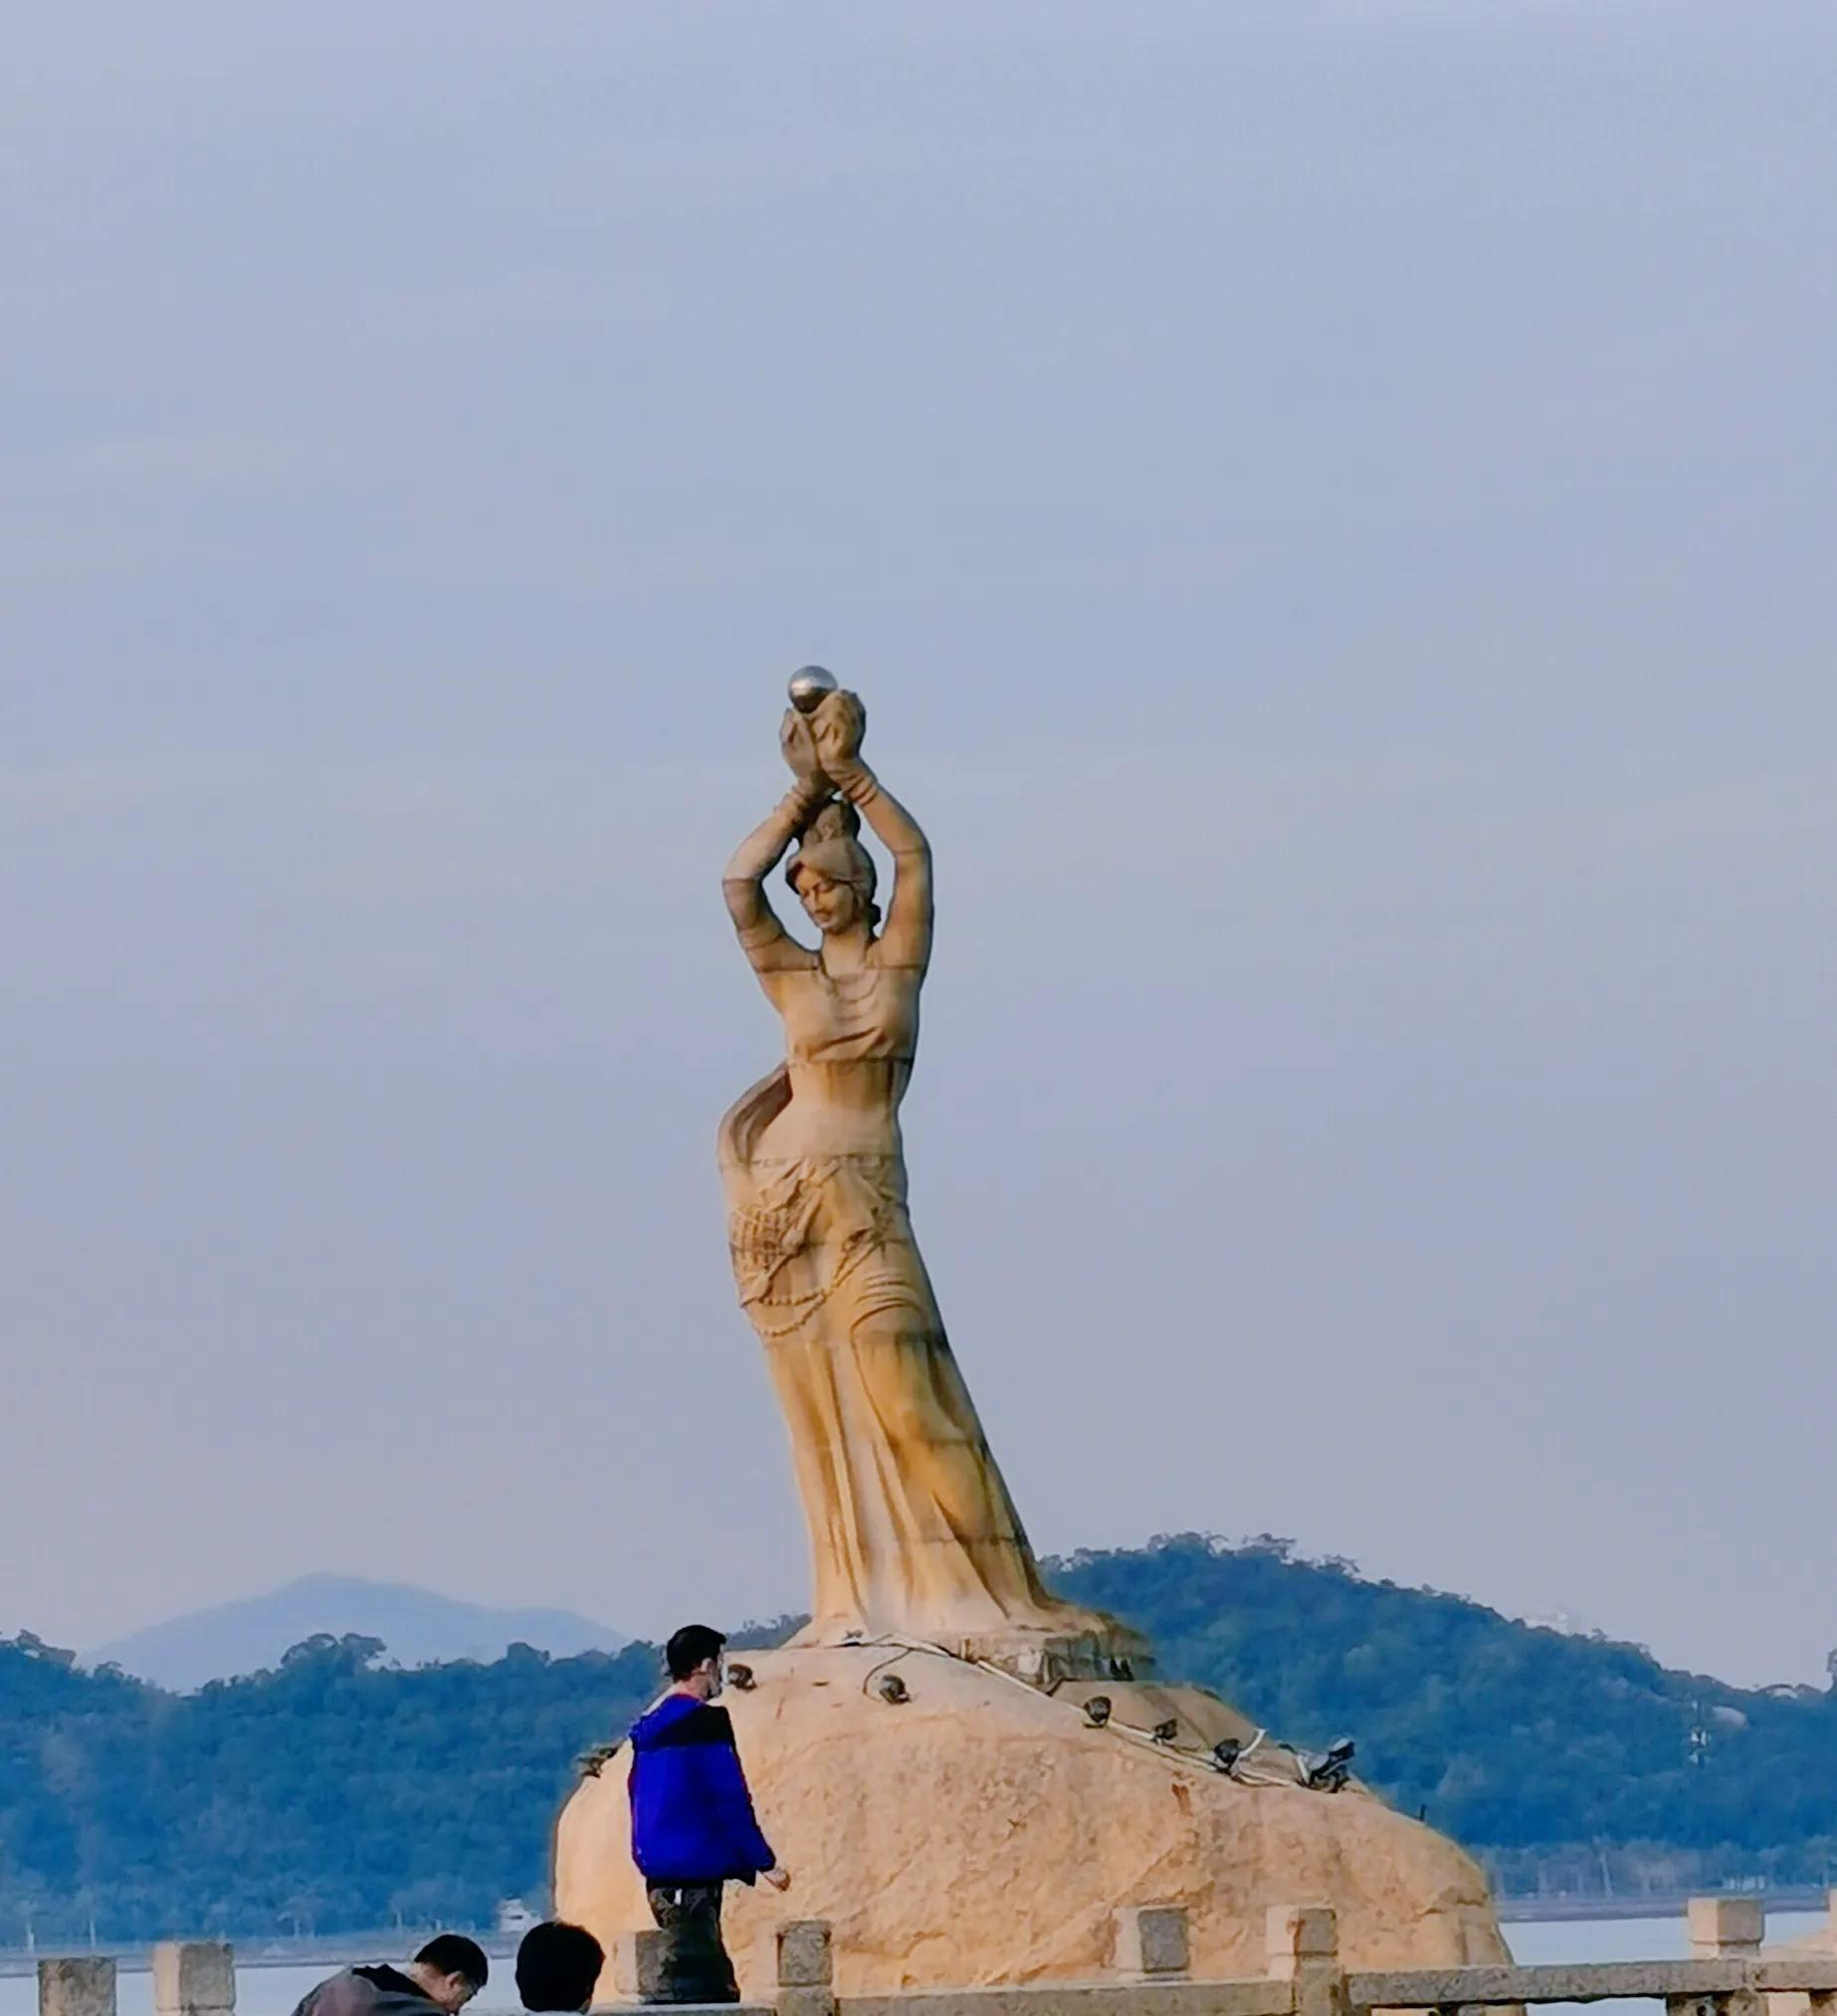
(1329, 511)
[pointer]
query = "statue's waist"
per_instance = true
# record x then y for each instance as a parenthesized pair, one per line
(847, 1109)
(812, 1130)
(855, 1081)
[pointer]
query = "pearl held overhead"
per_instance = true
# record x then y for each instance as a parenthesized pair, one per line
(809, 685)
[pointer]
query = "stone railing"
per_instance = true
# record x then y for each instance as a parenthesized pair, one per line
(191, 1977)
(1727, 1976)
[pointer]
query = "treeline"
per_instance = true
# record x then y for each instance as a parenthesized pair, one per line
(337, 1793)
(327, 1794)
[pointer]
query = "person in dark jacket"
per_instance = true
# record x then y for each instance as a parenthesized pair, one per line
(442, 1976)
(694, 1830)
(557, 1969)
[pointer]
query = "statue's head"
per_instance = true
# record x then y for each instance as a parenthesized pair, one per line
(832, 874)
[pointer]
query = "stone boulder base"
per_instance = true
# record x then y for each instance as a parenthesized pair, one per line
(984, 1831)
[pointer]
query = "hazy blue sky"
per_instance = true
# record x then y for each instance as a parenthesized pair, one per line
(1330, 509)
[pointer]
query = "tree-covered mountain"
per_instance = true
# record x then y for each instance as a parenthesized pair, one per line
(334, 1792)
(328, 1793)
(1565, 1762)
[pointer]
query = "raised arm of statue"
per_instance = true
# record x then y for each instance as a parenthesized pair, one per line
(838, 725)
(764, 940)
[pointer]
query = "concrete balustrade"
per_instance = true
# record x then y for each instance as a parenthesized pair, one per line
(1729, 1973)
(1727, 1976)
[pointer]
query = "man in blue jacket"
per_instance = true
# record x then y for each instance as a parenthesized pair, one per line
(692, 1825)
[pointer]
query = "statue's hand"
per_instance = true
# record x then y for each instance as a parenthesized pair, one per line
(839, 721)
(797, 742)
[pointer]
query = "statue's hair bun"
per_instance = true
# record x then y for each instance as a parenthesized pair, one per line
(835, 819)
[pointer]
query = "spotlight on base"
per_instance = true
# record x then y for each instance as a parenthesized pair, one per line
(893, 1689)
(1225, 1755)
(1333, 1767)
(741, 1676)
(1164, 1733)
(1096, 1711)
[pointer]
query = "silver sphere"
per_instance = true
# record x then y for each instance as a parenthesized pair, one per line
(809, 685)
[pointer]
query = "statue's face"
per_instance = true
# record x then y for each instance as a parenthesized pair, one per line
(830, 906)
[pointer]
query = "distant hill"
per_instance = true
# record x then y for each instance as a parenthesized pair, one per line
(417, 1628)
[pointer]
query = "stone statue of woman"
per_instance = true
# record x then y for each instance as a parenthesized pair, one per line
(912, 1527)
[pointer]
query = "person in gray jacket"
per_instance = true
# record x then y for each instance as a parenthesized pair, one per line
(442, 1977)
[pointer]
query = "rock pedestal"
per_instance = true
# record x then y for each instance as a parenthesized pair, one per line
(984, 1831)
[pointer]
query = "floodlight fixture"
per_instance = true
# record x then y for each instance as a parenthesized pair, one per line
(1329, 1771)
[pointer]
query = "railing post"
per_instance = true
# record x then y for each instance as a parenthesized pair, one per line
(194, 1977)
(806, 1970)
(1302, 1942)
(638, 1964)
(1724, 1928)
(1825, 2004)
(76, 1988)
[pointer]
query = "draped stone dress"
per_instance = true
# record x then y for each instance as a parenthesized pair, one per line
(912, 1528)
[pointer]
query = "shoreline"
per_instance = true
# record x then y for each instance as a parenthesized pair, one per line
(1659, 1904)
(341, 1950)
(336, 1949)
